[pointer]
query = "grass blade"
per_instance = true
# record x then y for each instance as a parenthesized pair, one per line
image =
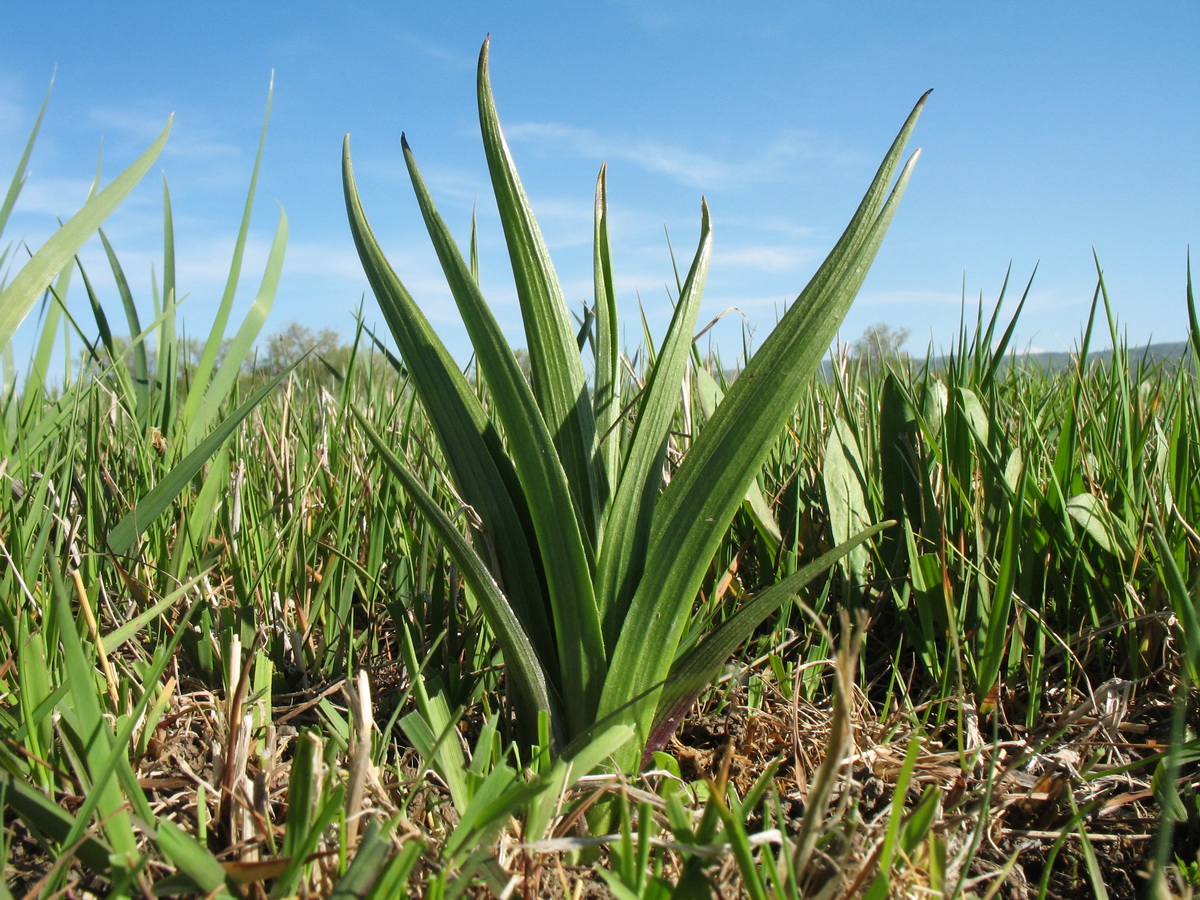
(606, 398)
(121, 538)
(18, 296)
(628, 524)
(21, 173)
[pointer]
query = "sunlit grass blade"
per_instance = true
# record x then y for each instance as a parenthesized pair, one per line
(19, 295)
(123, 535)
(241, 344)
(141, 363)
(199, 402)
(109, 751)
(1001, 348)
(22, 170)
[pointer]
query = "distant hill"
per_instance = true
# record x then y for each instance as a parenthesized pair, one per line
(1176, 353)
(1151, 354)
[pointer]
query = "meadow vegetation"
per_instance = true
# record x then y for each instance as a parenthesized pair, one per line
(583, 620)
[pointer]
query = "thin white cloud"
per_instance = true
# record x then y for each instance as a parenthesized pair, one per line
(61, 197)
(436, 51)
(909, 298)
(690, 167)
(12, 114)
(685, 166)
(318, 259)
(764, 258)
(191, 139)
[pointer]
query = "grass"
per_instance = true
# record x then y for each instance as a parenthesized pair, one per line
(253, 638)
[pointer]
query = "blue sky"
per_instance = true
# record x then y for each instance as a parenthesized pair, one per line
(1053, 129)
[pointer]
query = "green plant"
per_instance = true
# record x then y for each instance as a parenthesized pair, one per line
(584, 562)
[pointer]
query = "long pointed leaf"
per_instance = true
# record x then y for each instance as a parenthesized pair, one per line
(700, 502)
(606, 398)
(482, 472)
(558, 378)
(530, 446)
(21, 173)
(19, 295)
(522, 663)
(627, 527)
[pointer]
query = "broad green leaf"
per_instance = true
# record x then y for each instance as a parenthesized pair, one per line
(523, 665)
(845, 501)
(899, 465)
(701, 499)
(995, 632)
(558, 378)
(482, 472)
(628, 525)
(1098, 521)
(580, 648)
(19, 295)
(976, 415)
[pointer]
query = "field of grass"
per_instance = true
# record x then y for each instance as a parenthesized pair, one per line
(615, 622)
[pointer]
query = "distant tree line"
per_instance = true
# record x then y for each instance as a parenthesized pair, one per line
(321, 354)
